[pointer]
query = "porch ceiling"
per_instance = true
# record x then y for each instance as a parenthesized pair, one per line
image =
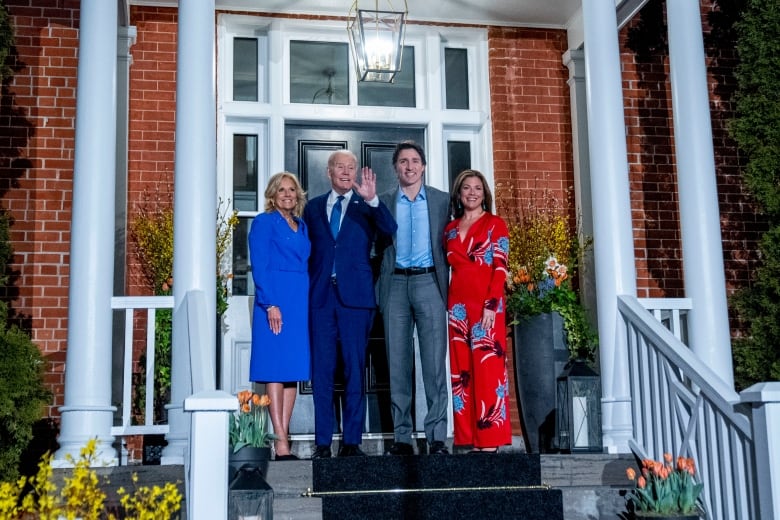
(526, 13)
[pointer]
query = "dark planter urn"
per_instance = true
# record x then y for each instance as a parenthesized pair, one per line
(248, 456)
(540, 354)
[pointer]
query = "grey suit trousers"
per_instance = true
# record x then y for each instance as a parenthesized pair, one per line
(416, 300)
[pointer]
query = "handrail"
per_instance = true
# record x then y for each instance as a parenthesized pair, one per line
(205, 467)
(201, 364)
(679, 405)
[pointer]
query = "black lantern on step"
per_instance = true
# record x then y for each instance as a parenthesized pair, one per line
(249, 496)
(578, 411)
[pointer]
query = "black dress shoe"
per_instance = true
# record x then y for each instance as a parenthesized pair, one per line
(438, 448)
(289, 456)
(350, 450)
(321, 452)
(400, 448)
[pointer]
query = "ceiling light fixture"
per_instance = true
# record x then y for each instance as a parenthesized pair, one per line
(376, 38)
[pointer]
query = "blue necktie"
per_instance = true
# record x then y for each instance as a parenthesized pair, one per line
(335, 216)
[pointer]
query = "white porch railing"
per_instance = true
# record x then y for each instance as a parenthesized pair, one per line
(682, 407)
(672, 313)
(205, 471)
(133, 305)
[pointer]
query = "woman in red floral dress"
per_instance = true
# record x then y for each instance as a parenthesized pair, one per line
(477, 244)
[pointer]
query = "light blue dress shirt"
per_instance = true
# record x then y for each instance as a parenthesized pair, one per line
(413, 238)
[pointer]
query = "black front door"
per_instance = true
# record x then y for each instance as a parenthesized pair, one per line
(307, 148)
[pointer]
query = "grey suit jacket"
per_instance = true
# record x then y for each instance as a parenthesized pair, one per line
(438, 217)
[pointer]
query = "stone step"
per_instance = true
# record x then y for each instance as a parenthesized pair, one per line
(479, 470)
(592, 485)
(533, 504)
(434, 486)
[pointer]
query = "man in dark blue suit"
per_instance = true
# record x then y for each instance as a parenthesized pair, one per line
(343, 225)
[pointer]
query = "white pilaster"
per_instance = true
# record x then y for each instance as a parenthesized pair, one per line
(195, 188)
(764, 400)
(612, 234)
(705, 281)
(583, 199)
(87, 412)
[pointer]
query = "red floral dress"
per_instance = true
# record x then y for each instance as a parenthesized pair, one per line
(478, 368)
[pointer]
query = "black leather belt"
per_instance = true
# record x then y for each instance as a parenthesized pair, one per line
(412, 271)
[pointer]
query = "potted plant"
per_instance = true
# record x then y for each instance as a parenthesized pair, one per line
(664, 490)
(543, 257)
(550, 324)
(249, 435)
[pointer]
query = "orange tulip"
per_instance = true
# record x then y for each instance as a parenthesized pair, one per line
(631, 474)
(668, 457)
(641, 482)
(255, 399)
(265, 400)
(245, 408)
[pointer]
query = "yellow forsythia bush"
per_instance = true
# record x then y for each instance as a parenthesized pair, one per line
(81, 495)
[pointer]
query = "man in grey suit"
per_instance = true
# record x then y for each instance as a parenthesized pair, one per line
(412, 291)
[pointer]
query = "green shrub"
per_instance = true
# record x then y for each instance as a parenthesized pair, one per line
(6, 42)
(22, 392)
(756, 128)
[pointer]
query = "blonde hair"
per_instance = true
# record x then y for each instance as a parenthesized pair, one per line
(274, 183)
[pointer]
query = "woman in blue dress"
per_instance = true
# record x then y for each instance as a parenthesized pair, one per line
(279, 250)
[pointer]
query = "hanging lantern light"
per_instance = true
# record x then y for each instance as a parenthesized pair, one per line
(376, 38)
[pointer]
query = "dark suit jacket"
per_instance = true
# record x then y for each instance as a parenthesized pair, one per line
(438, 217)
(351, 250)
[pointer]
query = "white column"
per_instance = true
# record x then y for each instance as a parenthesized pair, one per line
(88, 412)
(195, 188)
(612, 234)
(705, 281)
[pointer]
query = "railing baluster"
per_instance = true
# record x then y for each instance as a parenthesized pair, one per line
(130, 305)
(680, 404)
(127, 371)
(151, 326)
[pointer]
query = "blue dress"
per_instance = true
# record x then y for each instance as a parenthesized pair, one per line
(279, 258)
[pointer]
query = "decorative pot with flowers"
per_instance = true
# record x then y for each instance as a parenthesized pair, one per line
(550, 324)
(250, 438)
(543, 257)
(664, 489)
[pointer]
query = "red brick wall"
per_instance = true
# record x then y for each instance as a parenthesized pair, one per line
(37, 116)
(152, 118)
(651, 150)
(532, 143)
